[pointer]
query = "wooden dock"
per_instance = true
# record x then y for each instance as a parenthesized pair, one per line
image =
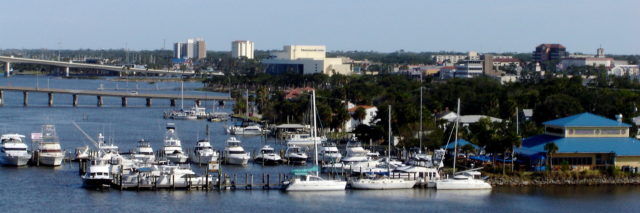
(124, 96)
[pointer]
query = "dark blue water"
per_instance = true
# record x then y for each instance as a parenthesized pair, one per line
(59, 190)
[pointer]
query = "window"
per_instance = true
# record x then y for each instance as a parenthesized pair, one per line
(572, 160)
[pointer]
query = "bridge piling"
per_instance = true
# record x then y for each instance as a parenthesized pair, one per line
(25, 96)
(99, 101)
(50, 99)
(197, 102)
(66, 72)
(173, 102)
(7, 69)
(1, 97)
(124, 101)
(148, 102)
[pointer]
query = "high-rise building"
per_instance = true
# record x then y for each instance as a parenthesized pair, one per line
(193, 48)
(549, 52)
(242, 48)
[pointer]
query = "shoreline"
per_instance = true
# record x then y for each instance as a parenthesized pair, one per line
(500, 180)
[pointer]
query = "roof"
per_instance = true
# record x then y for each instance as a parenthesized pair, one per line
(291, 126)
(551, 45)
(619, 146)
(461, 142)
(353, 109)
(294, 93)
(585, 119)
(514, 60)
(476, 118)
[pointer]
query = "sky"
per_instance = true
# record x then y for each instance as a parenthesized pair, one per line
(363, 25)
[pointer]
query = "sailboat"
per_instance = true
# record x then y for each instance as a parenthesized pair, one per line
(303, 179)
(383, 182)
(469, 179)
(183, 114)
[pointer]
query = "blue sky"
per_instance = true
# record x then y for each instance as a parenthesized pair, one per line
(412, 25)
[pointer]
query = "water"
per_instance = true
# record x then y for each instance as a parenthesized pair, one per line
(57, 190)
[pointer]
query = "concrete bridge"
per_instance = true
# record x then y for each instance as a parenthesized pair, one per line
(8, 60)
(99, 94)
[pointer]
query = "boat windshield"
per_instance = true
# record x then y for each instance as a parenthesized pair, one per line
(236, 152)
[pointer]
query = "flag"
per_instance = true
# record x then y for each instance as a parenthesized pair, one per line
(36, 136)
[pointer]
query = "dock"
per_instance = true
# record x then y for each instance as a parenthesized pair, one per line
(124, 96)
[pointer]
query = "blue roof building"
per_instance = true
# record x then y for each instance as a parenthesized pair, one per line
(584, 141)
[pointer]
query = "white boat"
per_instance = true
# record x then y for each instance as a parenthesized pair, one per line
(14, 150)
(203, 153)
(267, 156)
(355, 153)
(49, 150)
(234, 153)
(383, 182)
(107, 151)
(165, 176)
(199, 112)
(173, 146)
(469, 179)
(330, 153)
(144, 151)
(245, 130)
(97, 175)
(463, 180)
(296, 155)
(305, 180)
(82, 153)
(304, 140)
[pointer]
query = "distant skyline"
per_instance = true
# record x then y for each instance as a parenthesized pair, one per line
(363, 25)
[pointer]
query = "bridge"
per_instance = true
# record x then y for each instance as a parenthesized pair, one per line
(8, 60)
(99, 94)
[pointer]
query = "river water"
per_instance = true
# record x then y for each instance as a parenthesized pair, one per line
(59, 189)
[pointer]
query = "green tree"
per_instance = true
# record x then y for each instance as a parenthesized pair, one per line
(550, 148)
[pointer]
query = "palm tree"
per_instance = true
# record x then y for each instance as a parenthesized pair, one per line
(551, 149)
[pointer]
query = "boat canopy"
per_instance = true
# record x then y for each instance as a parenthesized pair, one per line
(301, 172)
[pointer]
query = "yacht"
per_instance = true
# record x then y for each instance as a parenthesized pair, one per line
(144, 151)
(107, 151)
(97, 175)
(295, 155)
(183, 115)
(306, 180)
(383, 182)
(463, 180)
(355, 153)
(234, 153)
(304, 140)
(82, 153)
(268, 156)
(49, 150)
(330, 153)
(173, 146)
(203, 153)
(14, 150)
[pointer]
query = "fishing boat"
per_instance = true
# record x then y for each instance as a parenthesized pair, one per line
(49, 150)
(144, 151)
(304, 139)
(383, 182)
(173, 146)
(309, 179)
(234, 153)
(203, 153)
(97, 175)
(14, 150)
(267, 155)
(330, 153)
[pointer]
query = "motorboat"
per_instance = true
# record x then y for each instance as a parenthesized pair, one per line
(144, 151)
(182, 115)
(14, 150)
(330, 153)
(245, 130)
(309, 179)
(107, 151)
(267, 156)
(355, 153)
(304, 139)
(203, 153)
(429, 175)
(82, 153)
(97, 175)
(463, 180)
(199, 112)
(234, 153)
(49, 150)
(173, 146)
(296, 155)
(165, 176)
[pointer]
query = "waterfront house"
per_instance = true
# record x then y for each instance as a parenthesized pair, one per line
(584, 141)
(352, 123)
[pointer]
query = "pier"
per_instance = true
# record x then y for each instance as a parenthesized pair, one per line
(124, 96)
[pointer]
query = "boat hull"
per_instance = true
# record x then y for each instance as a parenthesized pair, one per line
(202, 159)
(177, 158)
(462, 185)
(236, 160)
(96, 183)
(15, 160)
(382, 184)
(298, 161)
(51, 160)
(268, 161)
(325, 185)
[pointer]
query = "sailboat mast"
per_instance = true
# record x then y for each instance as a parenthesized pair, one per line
(246, 111)
(455, 144)
(420, 135)
(314, 131)
(389, 150)
(181, 94)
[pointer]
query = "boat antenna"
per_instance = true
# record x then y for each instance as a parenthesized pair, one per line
(181, 94)
(389, 151)
(455, 145)
(313, 129)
